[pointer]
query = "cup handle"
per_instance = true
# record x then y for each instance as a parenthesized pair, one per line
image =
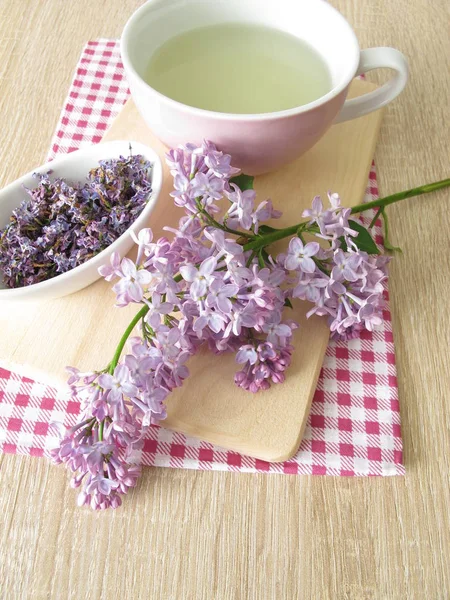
(375, 58)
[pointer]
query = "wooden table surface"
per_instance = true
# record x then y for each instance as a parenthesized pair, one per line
(186, 535)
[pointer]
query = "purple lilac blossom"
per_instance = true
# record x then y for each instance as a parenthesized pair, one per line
(202, 287)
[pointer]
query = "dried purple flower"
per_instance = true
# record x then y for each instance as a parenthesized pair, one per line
(62, 225)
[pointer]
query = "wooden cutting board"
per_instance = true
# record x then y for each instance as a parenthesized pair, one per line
(83, 329)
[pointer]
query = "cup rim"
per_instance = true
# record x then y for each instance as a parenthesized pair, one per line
(201, 112)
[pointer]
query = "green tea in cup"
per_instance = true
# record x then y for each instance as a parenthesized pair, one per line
(239, 68)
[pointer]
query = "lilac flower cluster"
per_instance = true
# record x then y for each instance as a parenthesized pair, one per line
(213, 282)
(343, 282)
(263, 363)
(63, 225)
(116, 412)
(224, 297)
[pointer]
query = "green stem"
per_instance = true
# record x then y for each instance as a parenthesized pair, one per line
(100, 431)
(261, 261)
(275, 236)
(374, 220)
(123, 340)
(250, 259)
(211, 220)
(270, 238)
(386, 226)
(418, 191)
(386, 242)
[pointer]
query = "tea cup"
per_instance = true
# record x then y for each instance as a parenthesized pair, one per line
(257, 142)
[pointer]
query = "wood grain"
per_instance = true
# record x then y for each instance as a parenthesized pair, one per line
(208, 405)
(201, 535)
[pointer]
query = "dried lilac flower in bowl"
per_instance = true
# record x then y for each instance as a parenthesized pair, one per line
(75, 217)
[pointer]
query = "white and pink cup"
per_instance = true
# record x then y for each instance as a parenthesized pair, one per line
(259, 142)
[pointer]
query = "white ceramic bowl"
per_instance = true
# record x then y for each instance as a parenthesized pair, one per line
(74, 167)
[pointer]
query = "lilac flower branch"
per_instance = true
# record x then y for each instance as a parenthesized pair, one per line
(381, 203)
(228, 293)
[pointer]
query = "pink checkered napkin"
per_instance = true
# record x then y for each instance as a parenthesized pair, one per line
(354, 426)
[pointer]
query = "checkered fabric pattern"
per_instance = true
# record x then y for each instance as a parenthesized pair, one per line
(354, 425)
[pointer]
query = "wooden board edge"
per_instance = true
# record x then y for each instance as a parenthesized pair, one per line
(274, 454)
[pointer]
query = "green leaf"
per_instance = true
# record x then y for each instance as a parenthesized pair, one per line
(342, 243)
(243, 181)
(288, 303)
(363, 240)
(265, 255)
